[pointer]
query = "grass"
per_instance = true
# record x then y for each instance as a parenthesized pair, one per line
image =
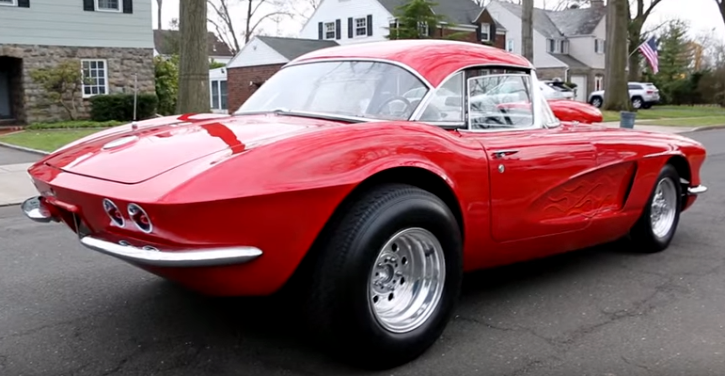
(671, 112)
(45, 140)
(74, 124)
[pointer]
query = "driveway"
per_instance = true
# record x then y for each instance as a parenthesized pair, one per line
(10, 156)
(65, 310)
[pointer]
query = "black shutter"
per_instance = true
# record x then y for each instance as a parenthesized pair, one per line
(338, 29)
(89, 6)
(493, 32)
(320, 31)
(350, 28)
(479, 32)
(370, 24)
(23, 3)
(128, 6)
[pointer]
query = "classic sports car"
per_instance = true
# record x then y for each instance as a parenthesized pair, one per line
(371, 205)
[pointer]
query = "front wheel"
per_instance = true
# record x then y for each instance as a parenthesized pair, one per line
(655, 229)
(388, 277)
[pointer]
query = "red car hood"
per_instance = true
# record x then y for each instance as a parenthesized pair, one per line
(130, 156)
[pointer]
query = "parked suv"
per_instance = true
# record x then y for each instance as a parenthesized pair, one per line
(642, 95)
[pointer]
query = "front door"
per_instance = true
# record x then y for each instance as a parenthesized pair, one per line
(537, 176)
(5, 112)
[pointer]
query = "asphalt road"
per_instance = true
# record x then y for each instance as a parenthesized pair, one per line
(11, 156)
(65, 310)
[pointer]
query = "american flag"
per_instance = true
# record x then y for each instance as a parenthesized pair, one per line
(649, 50)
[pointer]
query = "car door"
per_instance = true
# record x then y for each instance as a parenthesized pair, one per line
(538, 170)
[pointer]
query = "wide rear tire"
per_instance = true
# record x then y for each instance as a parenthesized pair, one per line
(392, 243)
(655, 229)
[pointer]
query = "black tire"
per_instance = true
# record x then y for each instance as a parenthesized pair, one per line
(339, 306)
(637, 100)
(596, 102)
(643, 235)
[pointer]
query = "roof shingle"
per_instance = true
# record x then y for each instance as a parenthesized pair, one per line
(457, 11)
(292, 48)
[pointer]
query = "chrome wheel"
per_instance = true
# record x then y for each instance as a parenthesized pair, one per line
(407, 280)
(664, 208)
(637, 103)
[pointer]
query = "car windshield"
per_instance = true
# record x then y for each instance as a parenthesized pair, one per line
(362, 89)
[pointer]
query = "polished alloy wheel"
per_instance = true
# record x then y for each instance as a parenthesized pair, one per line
(407, 280)
(664, 208)
(637, 103)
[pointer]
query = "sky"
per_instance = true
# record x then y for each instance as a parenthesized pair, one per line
(703, 16)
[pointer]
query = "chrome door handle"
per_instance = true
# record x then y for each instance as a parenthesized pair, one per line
(503, 153)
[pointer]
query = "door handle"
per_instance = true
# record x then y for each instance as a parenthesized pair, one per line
(503, 153)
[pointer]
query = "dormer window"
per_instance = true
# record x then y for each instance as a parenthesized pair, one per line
(557, 46)
(485, 32)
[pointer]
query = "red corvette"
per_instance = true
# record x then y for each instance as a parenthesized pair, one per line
(372, 176)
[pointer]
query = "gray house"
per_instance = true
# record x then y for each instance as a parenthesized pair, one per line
(568, 44)
(110, 40)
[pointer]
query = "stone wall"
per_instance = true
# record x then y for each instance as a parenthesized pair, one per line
(123, 64)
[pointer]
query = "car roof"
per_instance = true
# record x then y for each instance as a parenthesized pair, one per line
(433, 59)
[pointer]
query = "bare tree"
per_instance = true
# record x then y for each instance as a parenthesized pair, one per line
(158, 13)
(615, 80)
(527, 30)
(193, 57)
(256, 13)
(721, 6)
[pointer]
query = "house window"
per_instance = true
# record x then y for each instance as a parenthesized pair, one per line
(361, 27)
(551, 45)
(485, 32)
(329, 30)
(9, 2)
(423, 29)
(510, 45)
(219, 94)
(108, 5)
(564, 46)
(599, 46)
(598, 83)
(95, 77)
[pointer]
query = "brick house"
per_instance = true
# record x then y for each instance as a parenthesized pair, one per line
(259, 59)
(111, 40)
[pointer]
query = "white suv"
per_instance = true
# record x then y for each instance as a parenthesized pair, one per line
(642, 95)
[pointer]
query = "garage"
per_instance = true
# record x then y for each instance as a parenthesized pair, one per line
(581, 87)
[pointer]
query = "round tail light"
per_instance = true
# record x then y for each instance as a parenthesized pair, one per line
(140, 218)
(113, 213)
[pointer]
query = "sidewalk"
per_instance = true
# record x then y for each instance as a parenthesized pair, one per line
(652, 128)
(15, 185)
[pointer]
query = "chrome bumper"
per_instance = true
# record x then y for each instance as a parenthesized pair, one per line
(189, 258)
(36, 209)
(698, 190)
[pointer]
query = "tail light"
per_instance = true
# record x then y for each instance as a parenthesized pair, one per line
(140, 218)
(113, 213)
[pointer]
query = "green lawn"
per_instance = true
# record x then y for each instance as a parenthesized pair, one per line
(46, 140)
(670, 112)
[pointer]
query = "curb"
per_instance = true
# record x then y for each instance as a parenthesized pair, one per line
(8, 204)
(22, 148)
(707, 128)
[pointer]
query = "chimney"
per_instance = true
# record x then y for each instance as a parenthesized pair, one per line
(597, 4)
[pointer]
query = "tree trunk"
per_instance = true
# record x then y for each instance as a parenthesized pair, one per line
(193, 58)
(616, 95)
(527, 30)
(158, 12)
(634, 38)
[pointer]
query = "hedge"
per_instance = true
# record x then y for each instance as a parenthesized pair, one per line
(120, 107)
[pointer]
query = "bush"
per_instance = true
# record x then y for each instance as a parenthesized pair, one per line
(120, 107)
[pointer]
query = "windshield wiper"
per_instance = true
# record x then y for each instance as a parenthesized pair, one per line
(314, 115)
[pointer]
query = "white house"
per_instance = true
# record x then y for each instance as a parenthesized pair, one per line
(568, 44)
(111, 40)
(348, 21)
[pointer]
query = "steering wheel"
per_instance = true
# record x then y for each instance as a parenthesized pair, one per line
(391, 100)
